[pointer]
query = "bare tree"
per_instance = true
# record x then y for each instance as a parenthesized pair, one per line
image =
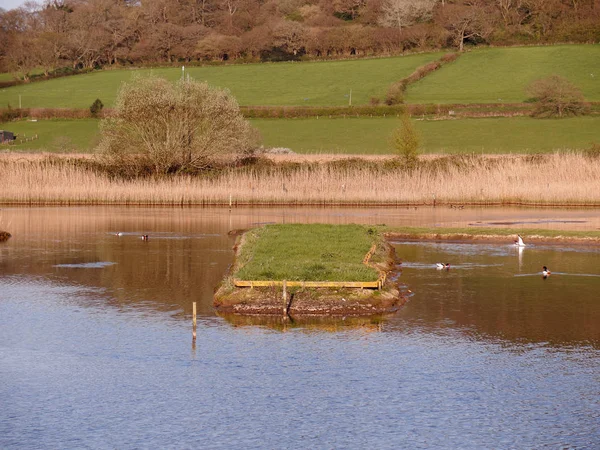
(174, 127)
(403, 13)
(555, 96)
(466, 22)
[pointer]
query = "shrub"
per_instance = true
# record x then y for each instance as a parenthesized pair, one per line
(182, 127)
(9, 114)
(96, 107)
(555, 96)
(593, 152)
(395, 93)
(406, 141)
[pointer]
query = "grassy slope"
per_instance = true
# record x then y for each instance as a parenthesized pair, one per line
(361, 136)
(370, 135)
(307, 252)
(56, 135)
(310, 83)
(502, 74)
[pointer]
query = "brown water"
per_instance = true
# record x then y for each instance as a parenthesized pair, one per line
(95, 339)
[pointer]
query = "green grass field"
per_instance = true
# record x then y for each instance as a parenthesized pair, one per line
(371, 135)
(308, 83)
(487, 75)
(360, 136)
(300, 252)
(498, 75)
(55, 135)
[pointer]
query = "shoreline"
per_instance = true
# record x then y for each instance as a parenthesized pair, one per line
(569, 180)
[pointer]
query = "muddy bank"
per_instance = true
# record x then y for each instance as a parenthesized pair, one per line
(4, 235)
(308, 302)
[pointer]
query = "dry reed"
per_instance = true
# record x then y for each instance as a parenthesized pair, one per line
(553, 179)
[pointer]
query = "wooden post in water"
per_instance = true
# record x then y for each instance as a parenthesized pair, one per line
(284, 300)
(194, 322)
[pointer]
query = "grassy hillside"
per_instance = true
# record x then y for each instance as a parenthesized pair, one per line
(361, 136)
(370, 136)
(55, 135)
(501, 74)
(310, 83)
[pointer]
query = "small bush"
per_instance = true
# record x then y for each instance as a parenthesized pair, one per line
(406, 141)
(96, 108)
(555, 96)
(395, 93)
(449, 57)
(10, 114)
(593, 152)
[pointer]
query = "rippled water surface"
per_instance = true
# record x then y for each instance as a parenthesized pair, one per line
(96, 348)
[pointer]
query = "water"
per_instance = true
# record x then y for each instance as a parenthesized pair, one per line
(96, 350)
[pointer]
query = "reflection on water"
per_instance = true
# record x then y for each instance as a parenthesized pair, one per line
(333, 324)
(95, 339)
(498, 291)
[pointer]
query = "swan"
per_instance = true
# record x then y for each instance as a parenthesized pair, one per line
(545, 272)
(440, 266)
(519, 242)
(120, 233)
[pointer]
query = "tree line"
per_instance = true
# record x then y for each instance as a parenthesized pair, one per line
(87, 34)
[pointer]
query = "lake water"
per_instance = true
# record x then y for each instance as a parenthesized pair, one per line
(96, 348)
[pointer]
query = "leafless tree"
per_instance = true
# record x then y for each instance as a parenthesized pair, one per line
(174, 127)
(403, 13)
(466, 22)
(555, 96)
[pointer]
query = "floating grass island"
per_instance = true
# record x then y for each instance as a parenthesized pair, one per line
(4, 235)
(296, 271)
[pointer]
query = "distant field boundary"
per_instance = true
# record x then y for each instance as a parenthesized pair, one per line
(300, 112)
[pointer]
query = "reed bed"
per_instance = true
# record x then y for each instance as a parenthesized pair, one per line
(553, 179)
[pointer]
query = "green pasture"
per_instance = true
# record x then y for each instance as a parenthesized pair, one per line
(489, 135)
(313, 252)
(307, 83)
(496, 75)
(59, 136)
(359, 135)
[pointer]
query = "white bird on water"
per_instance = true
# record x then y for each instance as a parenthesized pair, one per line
(119, 233)
(519, 242)
(441, 266)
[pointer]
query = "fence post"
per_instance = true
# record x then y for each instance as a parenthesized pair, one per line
(284, 299)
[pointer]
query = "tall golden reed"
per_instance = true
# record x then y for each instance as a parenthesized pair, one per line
(553, 179)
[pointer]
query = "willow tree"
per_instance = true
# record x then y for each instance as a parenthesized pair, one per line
(179, 127)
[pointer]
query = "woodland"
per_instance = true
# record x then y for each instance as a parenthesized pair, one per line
(64, 36)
